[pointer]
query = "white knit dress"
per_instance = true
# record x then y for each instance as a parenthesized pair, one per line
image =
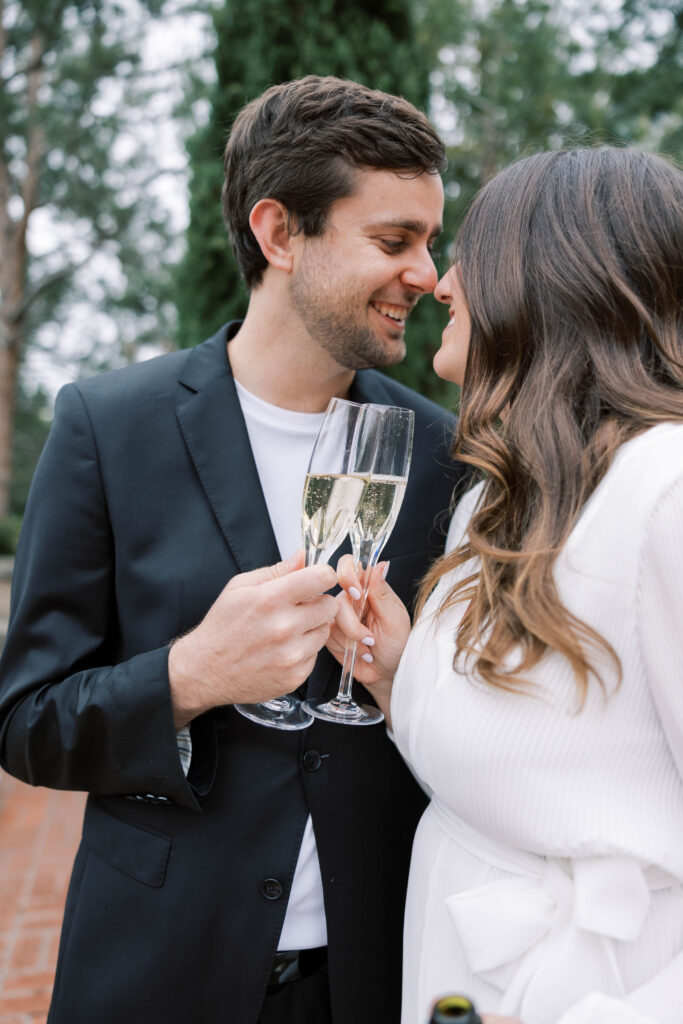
(547, 872)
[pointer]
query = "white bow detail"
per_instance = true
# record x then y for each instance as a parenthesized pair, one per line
(545, 941)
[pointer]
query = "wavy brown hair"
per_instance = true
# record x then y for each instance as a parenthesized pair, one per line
(572, 268)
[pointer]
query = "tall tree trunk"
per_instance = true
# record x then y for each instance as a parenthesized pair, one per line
(13, 261)
(9, 373)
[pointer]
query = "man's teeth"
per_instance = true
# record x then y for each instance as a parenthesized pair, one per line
(395, 312)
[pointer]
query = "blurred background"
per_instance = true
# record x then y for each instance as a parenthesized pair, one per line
(114, 115)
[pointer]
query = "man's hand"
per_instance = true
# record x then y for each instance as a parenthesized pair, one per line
(258, 640)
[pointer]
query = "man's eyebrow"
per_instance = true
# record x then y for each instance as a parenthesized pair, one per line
(416, 227)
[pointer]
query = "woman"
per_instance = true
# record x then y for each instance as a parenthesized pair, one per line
(540, 695)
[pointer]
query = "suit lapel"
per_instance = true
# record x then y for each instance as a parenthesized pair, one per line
(215, 434)
(370, 386)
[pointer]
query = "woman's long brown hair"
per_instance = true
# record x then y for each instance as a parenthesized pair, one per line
(572, 268)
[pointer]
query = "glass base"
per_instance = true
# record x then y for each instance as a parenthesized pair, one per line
(344, 712)
(281, 713)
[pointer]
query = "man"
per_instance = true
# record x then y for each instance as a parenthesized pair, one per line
(228, 870)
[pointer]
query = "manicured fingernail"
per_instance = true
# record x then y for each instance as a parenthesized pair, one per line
(355, 593)
(385, 570)
(368, 641)
(367, 657)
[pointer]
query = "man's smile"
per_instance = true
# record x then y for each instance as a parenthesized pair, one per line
(398, 314)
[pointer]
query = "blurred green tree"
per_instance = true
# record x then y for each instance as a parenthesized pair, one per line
(378, 42)
(637, 78)
(72, 180)
(512, 77)
(516, 76)
(31, 427)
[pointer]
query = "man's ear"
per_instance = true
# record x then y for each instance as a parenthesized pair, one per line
(270, 223)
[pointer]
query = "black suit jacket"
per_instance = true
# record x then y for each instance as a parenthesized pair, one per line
(146, 501)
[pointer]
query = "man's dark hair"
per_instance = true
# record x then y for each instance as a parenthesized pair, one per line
(300, 142)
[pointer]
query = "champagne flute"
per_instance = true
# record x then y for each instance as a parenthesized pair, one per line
(374, 520)
(338, 472)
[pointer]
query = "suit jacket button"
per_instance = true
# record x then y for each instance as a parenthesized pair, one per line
(312, 760)
(272, 889)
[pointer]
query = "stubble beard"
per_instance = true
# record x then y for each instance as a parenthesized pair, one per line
(325, 315)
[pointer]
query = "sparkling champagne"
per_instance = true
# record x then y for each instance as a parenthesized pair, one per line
(377, 511)
(327, 511)
(390, 442)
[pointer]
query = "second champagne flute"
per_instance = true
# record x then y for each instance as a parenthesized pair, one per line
(338, 472)
(374, 520)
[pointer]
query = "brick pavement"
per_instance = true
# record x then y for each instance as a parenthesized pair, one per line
(39, 832)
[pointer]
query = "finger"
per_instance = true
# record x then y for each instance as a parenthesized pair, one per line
(298, 587)
(348, 623)
(349, 578)
(307, 648)
(268, 572)
(383, 601)
(363, 671)
(335, 645)
(338, 640)
(377, 580)
(314, 613)
(315, 639)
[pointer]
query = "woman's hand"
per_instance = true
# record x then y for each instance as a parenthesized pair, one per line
(382, 634)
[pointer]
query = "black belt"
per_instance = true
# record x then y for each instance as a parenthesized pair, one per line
(295, 964)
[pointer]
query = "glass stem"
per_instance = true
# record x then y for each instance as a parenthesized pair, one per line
(344, 695)
(367, 564)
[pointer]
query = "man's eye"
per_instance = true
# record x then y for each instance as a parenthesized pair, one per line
(393, 244)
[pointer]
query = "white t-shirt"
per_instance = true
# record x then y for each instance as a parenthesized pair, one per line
(282, 442)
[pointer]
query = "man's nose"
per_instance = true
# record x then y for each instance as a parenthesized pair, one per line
(442, 291)
(420, 274)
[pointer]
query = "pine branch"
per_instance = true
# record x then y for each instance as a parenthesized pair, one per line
(37, 64)
(29, 297)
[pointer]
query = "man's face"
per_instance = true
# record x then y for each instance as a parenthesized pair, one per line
(354, 287)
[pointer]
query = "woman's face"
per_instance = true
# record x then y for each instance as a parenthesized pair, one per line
(451, 359)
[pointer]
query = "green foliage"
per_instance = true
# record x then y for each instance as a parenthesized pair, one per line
(645, 96)
(209, 290)
(516, 78)
(9, 534)
(31, 427)
(79, 224)
(75, 155)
